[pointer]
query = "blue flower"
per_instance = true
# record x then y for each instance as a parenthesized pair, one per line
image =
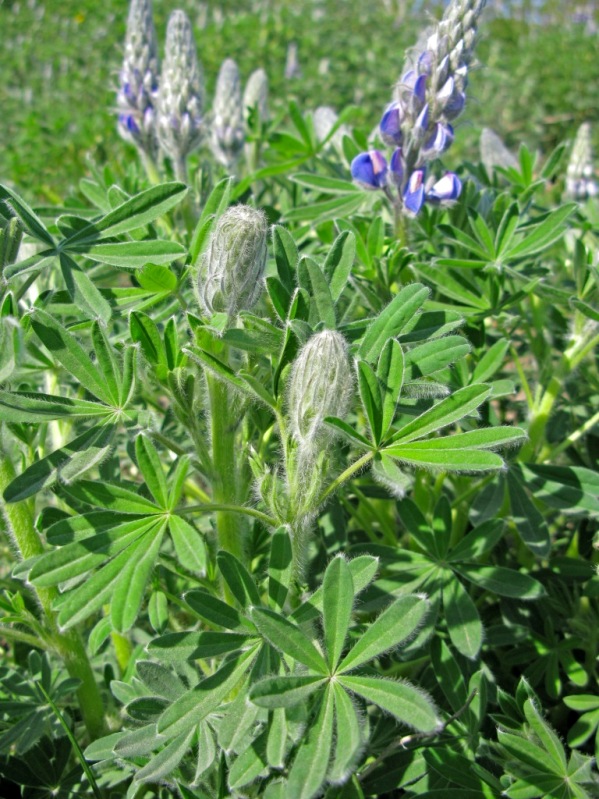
(390, 126)
(397, 167)
(440, 140)
(446, 190)
(413, 196)
(369, 170)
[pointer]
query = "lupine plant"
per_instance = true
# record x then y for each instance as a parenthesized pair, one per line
(299, 481)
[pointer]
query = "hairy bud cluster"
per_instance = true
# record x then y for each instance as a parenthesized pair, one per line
(580, 177)
(181, 94)
(138, 86)
(231, 268)
(417, 124)
(320, 386)
(228, 130)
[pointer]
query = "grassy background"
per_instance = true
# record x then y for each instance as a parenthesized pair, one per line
(59, 62)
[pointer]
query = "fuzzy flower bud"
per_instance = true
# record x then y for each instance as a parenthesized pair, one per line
(228, 132)
(255, 95)
(580, 178)
(320, 386)
(231, 268)
(181, 95)
(138, 87)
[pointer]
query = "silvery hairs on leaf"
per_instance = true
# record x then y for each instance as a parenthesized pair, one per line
(580, 176)
(493, 152)
(138, 85)
(181, 95)
(229, 278)
(320, 385)
(255, 95)
(228, 130)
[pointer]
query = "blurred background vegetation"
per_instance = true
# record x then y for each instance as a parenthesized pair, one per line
(59, 59)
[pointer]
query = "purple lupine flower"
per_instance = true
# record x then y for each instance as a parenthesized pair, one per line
(369, 170)
(446, 190)
(413, 196)
(397, 167)
(440, 140)
(419, 93)
(390, 127)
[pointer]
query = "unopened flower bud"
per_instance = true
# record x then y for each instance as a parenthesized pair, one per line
(232, 266)
(138, 85)
(320, 385)
(397, 167)
(369, 170)
(255, 95)
(440, 140)
(446, 190)
(390, 127)
(181, 95)
(228, 132)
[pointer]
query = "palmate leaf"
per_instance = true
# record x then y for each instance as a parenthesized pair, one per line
(338, 600)
(392, 320)
(288, 638)
(285, 691)
(176, 647)
(463, 622)
(30, 407)
(348, 736)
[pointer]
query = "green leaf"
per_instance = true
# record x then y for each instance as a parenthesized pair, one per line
(338, 599)
(370, 395)
(527, 752)
(136, 254)
(288, 638)
(539, 236)
(113, 496)
(189, 545)
(64, 465)
(65, 347)
(324, 184)
(448, 674)
(478, 541)
(392, 320)
(531, 525)
(217, 201)
(130, 587)
(238, 579)
(571, 489)
(138, 211)
(338, 263)
(144, 332)
(348, 736)
(363, 570)
(27, 407)
(491, 361)
(90, 596)
(280, 567)
(83, 291)
(397, 623)
(150, 466)
(502, 581)
(390, 372)
(320, 212)
(277, 739)
(107, 362)
(184, 714)
(410, 705)
(250, 764)
(31, 222)
(483, 438)
(165, 761)
(309, 769)
(449, 410)
(314, 282)
(463, 622)
(81, 556)
(449, 460)
(286, 256)
(157, 279)
(545, 734)
(432, 356)
(177, 647)
(213, 610)
(275, 692)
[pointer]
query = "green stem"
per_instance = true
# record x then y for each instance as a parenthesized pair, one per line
(24, 638)
(356, 467)
(224, 486)
(551, 452)
(67, 644)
